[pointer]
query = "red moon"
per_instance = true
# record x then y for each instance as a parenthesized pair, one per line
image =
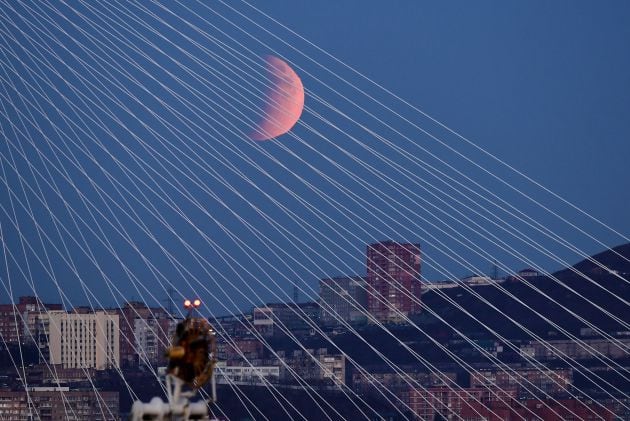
(284, 102)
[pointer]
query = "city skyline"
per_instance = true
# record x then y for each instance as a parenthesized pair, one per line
(166, 300)
(245, 358)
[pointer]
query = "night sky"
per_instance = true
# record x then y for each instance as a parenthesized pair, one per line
(129, 126)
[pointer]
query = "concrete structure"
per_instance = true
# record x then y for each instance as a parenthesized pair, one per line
(52, 374)
(333, 368)
(38, 330)
(19, 322)
(275, 318)
(429, 286)
(84, 340)
(528, 382)
(343, 298)
(234, 326)
(378, 378)
(527, 274)
(152, 336)
(59, 403)
(233, 374)
(132, 310)
(239, 348)
(477, 280)
(451, 403)
(529, 409)
(565, 348)
(393, 277)
(315, 366)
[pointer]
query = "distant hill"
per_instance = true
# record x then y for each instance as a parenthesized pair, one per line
(616, 259)
(528, 307)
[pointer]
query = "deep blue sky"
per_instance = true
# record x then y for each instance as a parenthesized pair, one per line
(542, 85)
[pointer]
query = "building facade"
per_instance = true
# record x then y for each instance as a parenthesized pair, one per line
(374, 379)
(316, 367)
(59, 403)
(238, 349)
(527, 382)
(585, 349)
(130, 354)
(548, 410)
(245, 374)
(453, 403)
(277, 319)
(393, 278)
(20, 322)
(84, 340)
(343, 299)
(333, 368)
(152, 337)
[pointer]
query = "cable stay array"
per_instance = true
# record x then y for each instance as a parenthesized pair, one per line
(129, 173)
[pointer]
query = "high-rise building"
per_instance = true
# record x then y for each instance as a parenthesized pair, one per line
(84, 340)
(132, 310)
(393, 278)
(19, 322)
(152, 337)
(343, 299)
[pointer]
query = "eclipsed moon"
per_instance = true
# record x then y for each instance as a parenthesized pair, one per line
(284, 101)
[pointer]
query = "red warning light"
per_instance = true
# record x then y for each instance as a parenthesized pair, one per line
(197, 303)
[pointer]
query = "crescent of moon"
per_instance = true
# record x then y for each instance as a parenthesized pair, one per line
(284, 104)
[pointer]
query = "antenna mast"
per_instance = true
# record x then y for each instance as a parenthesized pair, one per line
(495, 270)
